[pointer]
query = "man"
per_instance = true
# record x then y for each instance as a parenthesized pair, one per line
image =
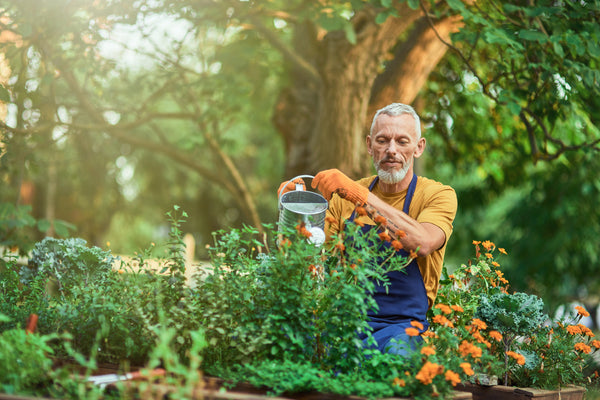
(419, 213)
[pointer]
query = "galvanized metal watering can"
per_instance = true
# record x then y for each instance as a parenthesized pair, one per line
(299, 206)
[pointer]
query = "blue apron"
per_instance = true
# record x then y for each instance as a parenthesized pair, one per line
(403, 300)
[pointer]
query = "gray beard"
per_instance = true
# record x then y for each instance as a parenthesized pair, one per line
(393, 176)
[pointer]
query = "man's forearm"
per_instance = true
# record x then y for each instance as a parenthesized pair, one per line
(412, 234)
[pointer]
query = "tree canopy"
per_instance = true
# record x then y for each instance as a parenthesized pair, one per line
(115, 110)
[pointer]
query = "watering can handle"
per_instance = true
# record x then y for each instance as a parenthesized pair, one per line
(296, 177)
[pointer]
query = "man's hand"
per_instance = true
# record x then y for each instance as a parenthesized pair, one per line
(289, 186)
(334, 181)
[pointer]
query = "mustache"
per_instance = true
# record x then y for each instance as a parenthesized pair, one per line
(390, 159)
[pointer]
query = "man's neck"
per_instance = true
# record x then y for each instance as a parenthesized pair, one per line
(388, 188)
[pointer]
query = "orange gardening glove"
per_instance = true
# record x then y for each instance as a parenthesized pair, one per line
(288, 186)
(334, 181)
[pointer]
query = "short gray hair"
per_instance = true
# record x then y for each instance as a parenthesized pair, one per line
(396, 109)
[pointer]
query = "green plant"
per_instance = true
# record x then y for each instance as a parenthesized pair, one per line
(527, 347)
(68, 263)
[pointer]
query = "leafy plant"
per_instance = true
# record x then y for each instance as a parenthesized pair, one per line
(528, 349)
(68, 262)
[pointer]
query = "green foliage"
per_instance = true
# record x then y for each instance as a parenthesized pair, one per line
(296, 301)
(528, 348)
(24, 361)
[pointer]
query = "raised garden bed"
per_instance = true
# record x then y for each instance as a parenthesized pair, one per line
(499, 392)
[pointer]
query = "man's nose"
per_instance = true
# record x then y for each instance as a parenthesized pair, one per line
(392, 147)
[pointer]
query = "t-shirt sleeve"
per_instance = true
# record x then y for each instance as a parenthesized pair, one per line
(440, 209)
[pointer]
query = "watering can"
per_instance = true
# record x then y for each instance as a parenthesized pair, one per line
(299, 206)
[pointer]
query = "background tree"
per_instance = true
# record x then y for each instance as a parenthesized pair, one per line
(140, 105)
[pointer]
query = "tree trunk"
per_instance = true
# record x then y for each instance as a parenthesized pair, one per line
(324, 123)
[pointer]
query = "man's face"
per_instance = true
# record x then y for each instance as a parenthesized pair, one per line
(393, 146)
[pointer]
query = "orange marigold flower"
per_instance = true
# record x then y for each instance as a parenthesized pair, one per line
(442, 320)
(429, 371)
(417, 325)
(380, 219)
(479, 324)
(467, 348)
(582, 311)
(583, 348)
(489, 255)
(496, 335)
(501, 250)
(340, 246)
(596, 343)
(574, 329)
(476, 242)
(445, 309)
(412, 331)
(399, 382)
(429, 334)
(361, 210)
(428, 350)
(488, 245)
(499, 273)
(519, 357)
(397, 245)
(585, 330)
(384, 236)
(452, 377)
(457, 308)
(401, 234)
(413, 254)
(285, 242)
(466, 367)
(495, 264)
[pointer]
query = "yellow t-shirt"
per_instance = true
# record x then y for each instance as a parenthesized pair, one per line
(432, 202)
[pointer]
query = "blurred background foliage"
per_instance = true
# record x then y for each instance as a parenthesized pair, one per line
(114, 111)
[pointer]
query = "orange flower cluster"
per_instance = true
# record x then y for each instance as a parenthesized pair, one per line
(469, 349)
(466, 367)
(496, 335)
(442, 320)
(412, 331)
(399, 382)
(428, 350)
(582, 311)
(519, 357)
(301, 228)
(580, 329)
(397, 245)
(584, 348)
(429, 371)
(385, 237)
(417, 324)
(452, 377)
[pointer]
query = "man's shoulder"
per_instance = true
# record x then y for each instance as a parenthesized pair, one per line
(432, 189)
(432, 185)
(366, 181)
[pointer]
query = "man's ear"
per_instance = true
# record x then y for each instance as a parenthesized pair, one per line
(369, 149)
(420, 147)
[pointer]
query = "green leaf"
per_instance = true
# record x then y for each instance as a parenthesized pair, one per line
(43, 225)
(413, 4)
(533, 36)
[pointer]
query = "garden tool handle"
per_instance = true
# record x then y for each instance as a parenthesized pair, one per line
(291, 180)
